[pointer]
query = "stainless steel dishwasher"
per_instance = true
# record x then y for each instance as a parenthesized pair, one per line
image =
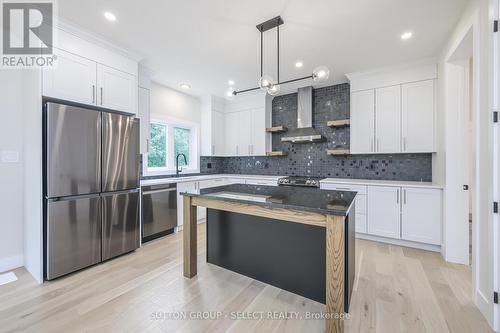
(159, 210)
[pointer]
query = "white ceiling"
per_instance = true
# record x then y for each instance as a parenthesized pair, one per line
(207, 42)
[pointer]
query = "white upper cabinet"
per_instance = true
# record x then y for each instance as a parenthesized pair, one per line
(384, 211)
(117, 90)
(259, 132)
(418, 117)
(362, 121)
(74, 79)
(388, 119)
(87, 73)
(421, 215)
(402, 110)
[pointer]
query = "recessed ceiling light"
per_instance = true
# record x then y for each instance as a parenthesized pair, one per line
(299, 64)
(185, 86)
(230, 82)
(406, 35)
(110, 16)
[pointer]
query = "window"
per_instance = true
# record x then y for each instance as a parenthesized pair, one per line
(168, 139)
(182, 144)
(157, 157)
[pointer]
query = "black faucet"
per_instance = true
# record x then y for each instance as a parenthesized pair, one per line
(177, 170)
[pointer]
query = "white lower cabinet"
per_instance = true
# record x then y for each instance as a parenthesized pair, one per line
(360, 204)
(183, 187)
(384, 217)
(421, 215)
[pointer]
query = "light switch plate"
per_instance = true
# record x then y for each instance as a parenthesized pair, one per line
(10, 156)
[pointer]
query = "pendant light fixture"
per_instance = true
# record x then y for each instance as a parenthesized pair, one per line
(267, 82)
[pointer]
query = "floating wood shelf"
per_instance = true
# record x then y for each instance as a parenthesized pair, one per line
(339, 123)
(277, 153)
(276, 129)
(338, 152)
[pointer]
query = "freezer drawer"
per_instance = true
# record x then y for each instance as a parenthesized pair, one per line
(159, 210)
(72, 150)
(73, 235)
(120, 223)
(120, 152)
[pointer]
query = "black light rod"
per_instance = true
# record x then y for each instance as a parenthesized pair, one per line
(284, 82)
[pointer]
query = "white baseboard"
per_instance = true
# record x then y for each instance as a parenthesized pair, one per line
(400, 242)
(9, 263)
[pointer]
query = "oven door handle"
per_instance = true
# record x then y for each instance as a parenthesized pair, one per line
(159, 191)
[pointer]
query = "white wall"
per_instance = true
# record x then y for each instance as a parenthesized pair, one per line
(478, 15)
(172, 103)
(11, 174)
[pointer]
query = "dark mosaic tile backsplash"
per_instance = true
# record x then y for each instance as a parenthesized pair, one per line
(329, 103)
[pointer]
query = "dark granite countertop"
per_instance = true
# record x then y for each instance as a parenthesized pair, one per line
(294, 198)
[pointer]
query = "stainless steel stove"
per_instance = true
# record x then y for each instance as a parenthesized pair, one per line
(299, 181)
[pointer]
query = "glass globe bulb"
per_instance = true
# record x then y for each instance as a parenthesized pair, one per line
(274, 90)
(265, 82)
(321, 74)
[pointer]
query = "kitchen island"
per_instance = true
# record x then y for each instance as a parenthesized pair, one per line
(298, 239)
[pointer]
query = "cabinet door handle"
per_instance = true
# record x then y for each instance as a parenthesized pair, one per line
(404, 196)
(147, 145)
(397, 197)
(371, 145)
(404, 143)
(101, 95)
(93, 94)
(213, 149)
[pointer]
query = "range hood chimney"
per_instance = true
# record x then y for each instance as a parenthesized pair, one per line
(304, 132)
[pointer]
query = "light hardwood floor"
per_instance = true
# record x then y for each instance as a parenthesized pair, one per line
(396, 290)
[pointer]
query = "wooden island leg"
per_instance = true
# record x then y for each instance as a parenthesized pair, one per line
(335, 260)
(189, 238)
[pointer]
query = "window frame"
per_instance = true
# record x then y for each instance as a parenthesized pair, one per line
(194, 146)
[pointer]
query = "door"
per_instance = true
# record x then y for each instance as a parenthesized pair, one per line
(120, 223)
(388, 119)
(73, 235)
(418, 117)
(73, 79)
(143, 114)
(231, 133)
(384, 211)
(362, 121)
(244, 133)
(117, 90)
(258, 132)
(421, 215)
(73, 150)
(120, 152)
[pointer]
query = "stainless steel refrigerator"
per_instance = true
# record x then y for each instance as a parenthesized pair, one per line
(91, 187)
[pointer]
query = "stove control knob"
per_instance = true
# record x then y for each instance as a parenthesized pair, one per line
(314, 183)
(308, 182)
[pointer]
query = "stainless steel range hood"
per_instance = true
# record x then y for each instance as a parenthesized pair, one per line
(304, 132)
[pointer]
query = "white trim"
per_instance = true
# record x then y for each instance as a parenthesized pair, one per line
(94, 38)
(400, 242)
(10, 263)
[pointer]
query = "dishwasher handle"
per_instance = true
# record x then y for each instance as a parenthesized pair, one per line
(160, 190)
